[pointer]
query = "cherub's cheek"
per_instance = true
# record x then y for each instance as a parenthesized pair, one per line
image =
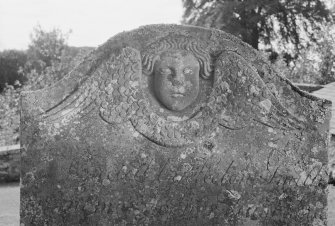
(188, 84)
(167, 83)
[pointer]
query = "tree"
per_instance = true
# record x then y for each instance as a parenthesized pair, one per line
(266, 23)
(49, 58)
(46, 47)
(327, 55)
(70, 58)
(10, 112)
(314, 64)
(10, 63)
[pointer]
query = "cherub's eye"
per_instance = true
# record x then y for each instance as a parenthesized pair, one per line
(188, 71)
(165, 71)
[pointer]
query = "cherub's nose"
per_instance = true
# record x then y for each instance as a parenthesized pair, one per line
(178, 78)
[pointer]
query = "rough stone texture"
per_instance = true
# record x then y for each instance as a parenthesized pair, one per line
(103, 146)
(10, 165)
(331, 206)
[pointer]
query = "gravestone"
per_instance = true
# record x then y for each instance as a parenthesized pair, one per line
(174, 125)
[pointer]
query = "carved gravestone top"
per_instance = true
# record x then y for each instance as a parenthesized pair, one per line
(173, 125)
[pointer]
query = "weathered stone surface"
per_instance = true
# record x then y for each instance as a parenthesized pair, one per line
(174, 125)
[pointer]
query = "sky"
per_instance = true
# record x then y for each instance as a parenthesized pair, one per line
(91, 22)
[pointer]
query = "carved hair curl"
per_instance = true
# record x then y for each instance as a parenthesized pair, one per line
(150, 57)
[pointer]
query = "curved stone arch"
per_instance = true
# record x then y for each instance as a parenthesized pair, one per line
(142, 37)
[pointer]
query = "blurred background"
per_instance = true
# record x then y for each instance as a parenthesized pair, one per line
(42, 40)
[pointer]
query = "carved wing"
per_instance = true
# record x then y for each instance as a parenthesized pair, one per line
(243, 97)
(113, 88)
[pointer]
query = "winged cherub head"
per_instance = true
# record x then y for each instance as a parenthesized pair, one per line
(176, 69)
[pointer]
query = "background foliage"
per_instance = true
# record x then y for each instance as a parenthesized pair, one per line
(10, 114)
(47, 60)
(10, 63)
(296, 32)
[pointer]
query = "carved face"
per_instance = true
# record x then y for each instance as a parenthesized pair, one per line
(176, 79)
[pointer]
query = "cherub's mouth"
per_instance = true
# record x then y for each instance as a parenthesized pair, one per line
(177, 94)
